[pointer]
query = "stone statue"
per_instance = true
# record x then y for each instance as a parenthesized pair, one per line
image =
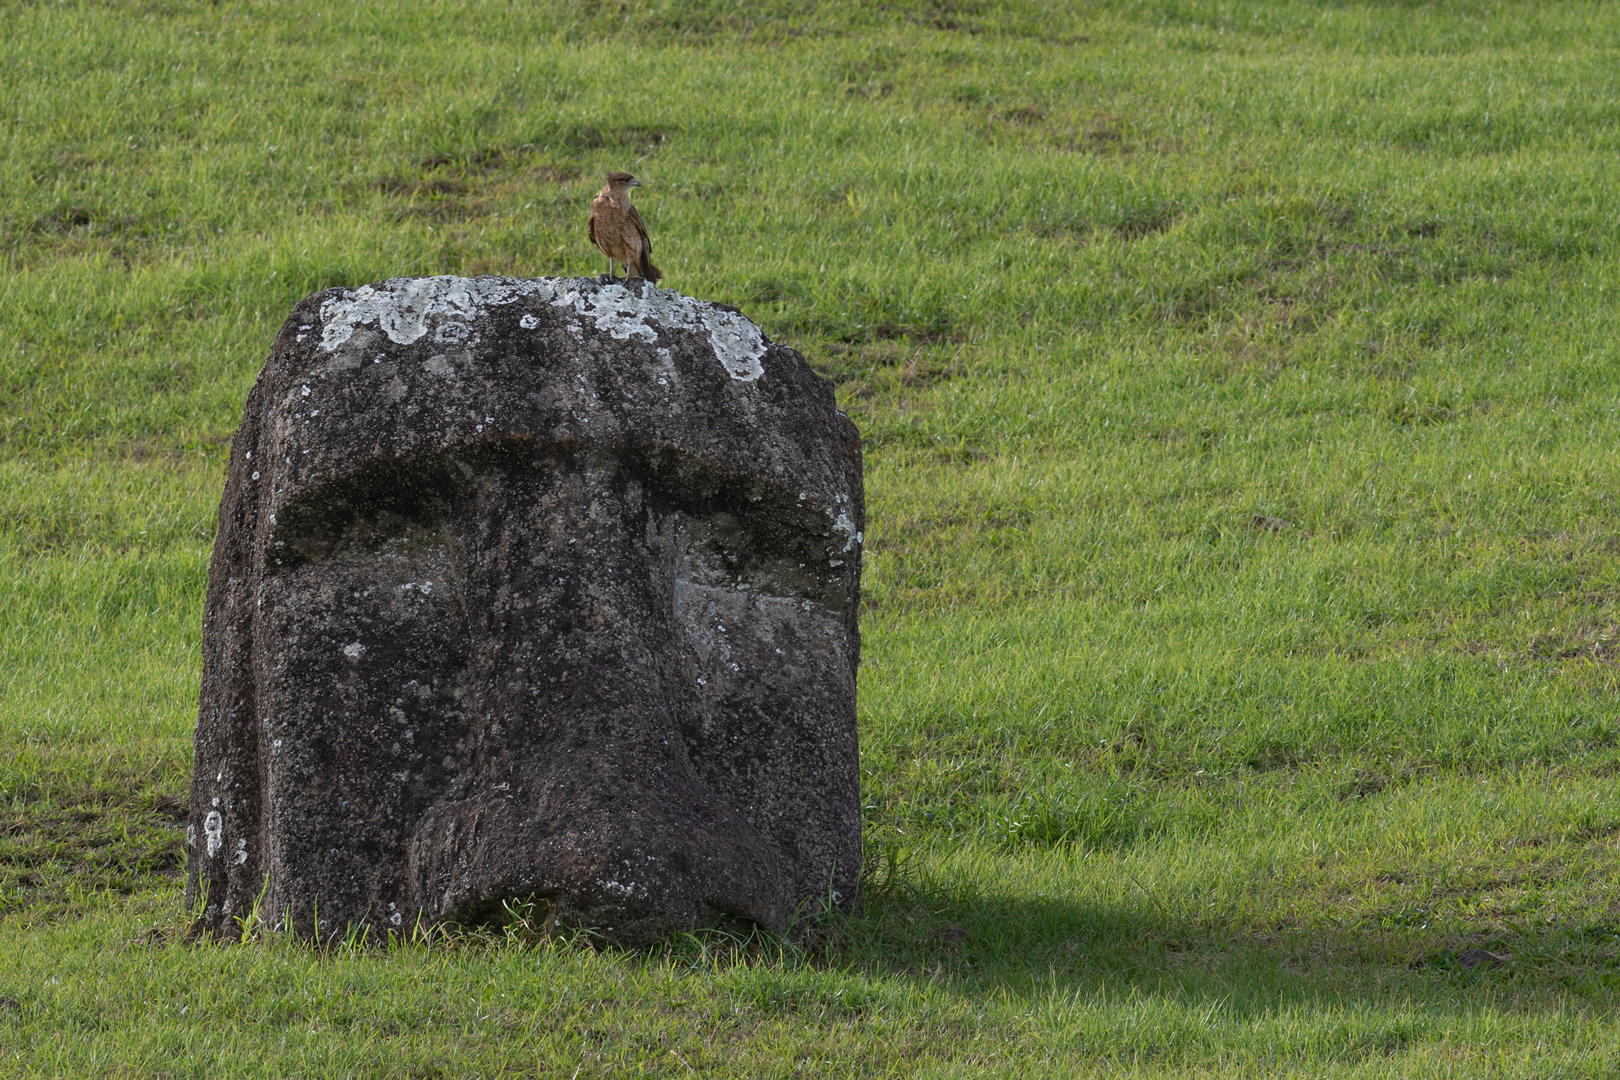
(530, 589)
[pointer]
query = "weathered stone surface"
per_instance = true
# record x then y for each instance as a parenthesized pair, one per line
(530, 588)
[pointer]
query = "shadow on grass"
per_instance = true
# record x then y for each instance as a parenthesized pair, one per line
(79, 824)
(974, 942)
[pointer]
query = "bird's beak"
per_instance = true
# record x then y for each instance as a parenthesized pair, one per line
(635, 183)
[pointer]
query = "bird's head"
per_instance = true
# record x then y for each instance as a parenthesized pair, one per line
(622, 180)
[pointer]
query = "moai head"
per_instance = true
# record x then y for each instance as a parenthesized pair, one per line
(530, 589)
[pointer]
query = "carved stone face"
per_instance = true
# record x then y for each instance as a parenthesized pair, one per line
(530, 589)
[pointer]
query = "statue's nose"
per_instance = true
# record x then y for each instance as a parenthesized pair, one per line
(587, 795)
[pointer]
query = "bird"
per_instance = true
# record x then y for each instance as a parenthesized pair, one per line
(618, 230)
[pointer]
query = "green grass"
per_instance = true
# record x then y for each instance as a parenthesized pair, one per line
(1239, 385)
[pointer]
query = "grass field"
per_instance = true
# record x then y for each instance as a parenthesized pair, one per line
(1239, 384)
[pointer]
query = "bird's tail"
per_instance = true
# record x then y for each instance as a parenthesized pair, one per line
(648, 270)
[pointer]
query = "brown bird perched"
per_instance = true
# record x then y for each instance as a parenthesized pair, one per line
(618, 230)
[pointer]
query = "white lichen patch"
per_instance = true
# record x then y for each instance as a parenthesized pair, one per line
(620, 313)
(846, 528)
(403, 308)
(737, 343)
(407, 308)
(622, 889)
(214, 830)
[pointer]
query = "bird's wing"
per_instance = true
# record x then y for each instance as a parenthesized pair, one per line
(590, 226)
(641, 229)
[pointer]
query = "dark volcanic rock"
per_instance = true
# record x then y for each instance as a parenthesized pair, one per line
(530, 588)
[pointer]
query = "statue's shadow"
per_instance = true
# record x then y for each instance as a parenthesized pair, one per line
(978, 943)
